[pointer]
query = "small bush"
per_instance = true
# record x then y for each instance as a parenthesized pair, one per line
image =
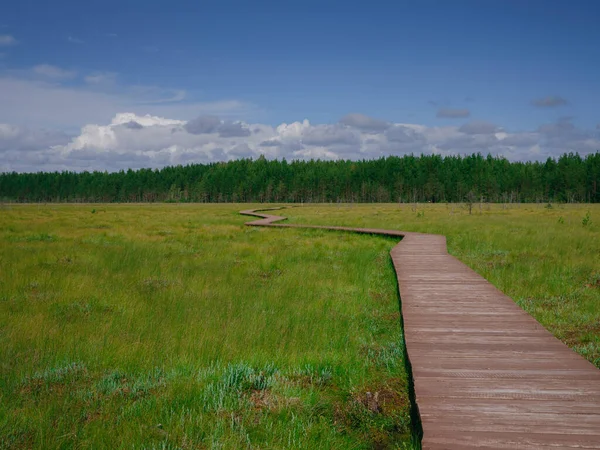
(587, 220)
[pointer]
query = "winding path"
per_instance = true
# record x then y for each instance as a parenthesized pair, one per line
(486, 374)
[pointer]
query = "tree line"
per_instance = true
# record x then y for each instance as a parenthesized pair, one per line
(424, 178)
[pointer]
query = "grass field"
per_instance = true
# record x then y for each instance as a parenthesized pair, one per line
(546, 258)
(173, 326)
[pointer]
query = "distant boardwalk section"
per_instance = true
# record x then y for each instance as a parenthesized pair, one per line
(486, 373)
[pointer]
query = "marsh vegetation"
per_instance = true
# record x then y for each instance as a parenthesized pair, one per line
(174, 326)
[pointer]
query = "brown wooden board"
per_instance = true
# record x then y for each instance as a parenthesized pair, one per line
(486, 374)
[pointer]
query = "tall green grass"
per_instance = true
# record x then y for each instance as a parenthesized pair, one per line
(545, 257)
(174, 326)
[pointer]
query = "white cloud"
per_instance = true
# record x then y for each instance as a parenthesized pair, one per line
(329, 135)
(478, 128)
(6, 40)
(315, 153)
(402, 133)
(145, 121)
(293, 130)
(519, 139)
(101, 78)
(364, 123)
(50, 71)
(131, 140)
(38, 103)
(24, 149)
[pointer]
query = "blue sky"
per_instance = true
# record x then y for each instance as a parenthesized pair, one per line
(516, 64)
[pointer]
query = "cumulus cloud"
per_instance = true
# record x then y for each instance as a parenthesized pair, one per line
(364, 123)
(131, 140)
(133, 125)
(520, 140)
(400, 140)
(241, 151)
(470, 143)
(549, 102)
(233, 129)
(24, 149)
(203, 125)
(565, 135)
(400, 133)
(449, 113)
(146, 120)
(15, 138)
(212, 124)
(293, 130)
(563, 129)
(6, 40)
(50, 71)
(478, 128)
(270, 143)
(325, 135)
(559, 128)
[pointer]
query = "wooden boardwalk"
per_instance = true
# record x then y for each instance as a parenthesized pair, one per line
(486, 374)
